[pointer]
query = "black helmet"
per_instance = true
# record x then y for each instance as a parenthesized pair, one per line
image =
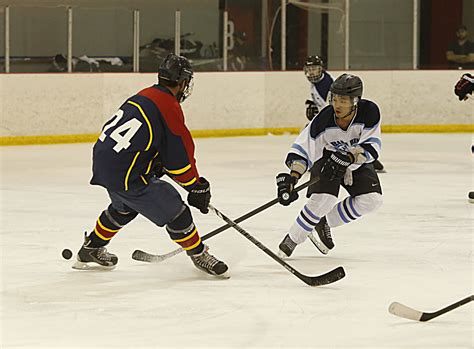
(347, 85)
(313, 68)
(174, 70)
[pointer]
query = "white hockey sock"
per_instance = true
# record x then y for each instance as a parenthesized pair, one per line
(351, 208)
(316, 208)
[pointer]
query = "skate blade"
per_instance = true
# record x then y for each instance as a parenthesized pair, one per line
(78, 265)
(224, 276)
(319, 245)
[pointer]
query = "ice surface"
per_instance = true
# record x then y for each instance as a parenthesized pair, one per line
(417, 249)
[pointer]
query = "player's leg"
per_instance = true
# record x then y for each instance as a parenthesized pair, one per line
(365, 197)
(93, 253)
(322, 197)
(161, 203)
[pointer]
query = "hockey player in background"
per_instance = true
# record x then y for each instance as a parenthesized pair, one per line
(145, 139)
(463, 87)
(339, 146)
(320, 83)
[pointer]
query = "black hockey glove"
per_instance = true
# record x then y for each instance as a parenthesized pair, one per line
(335, 165)
(286, 183)
(464, 87)
(158, 169)
(200, 195)
(311, 109)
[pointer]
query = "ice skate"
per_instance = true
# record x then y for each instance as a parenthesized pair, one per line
(287, 246)
(89, 258)
(324, 233)
(208, 263)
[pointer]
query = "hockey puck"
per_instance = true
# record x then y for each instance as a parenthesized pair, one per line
(471, 197)
(67, 254)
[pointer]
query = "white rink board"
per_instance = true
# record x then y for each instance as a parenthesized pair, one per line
(417, 249)
(71, 104)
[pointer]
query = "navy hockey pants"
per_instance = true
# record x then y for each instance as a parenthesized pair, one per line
(159, 201)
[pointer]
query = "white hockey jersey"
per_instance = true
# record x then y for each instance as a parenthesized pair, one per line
(322, 133)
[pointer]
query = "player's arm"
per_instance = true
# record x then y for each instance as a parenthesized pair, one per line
(464, 86)
(370, 143)
(311, 109)
(180, 164)
(452, 57)
(298, 160)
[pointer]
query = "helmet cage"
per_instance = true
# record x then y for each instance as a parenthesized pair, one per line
(313, 72)
(187, 90)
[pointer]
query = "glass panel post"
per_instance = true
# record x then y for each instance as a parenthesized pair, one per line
(346, 34)
(69, 39)
(225, 40)
(283, 34)
(177, 33)
(7, 39)
(136, 41)
(415, 34)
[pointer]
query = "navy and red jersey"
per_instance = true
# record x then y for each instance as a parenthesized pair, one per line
(148, 126)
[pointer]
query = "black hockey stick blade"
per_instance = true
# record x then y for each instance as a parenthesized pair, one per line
(319, 280)
(406, 312)
(324, 279)
(143, 256)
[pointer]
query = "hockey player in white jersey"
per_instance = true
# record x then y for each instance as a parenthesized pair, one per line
(320, 81)
(339, 147)
(463, 88)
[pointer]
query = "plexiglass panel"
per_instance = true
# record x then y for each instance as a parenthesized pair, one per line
(102, 39)
(199, 33)
(347, 34)
(37, 35)
(2, 39)
(381, 34)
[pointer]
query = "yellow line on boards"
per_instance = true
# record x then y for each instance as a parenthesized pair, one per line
(451, 128)
(90, 138)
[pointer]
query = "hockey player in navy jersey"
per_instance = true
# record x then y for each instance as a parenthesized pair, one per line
(321, 81)
(339, 147)
(146, 138)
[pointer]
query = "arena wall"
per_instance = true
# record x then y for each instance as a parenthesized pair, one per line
(52, 108)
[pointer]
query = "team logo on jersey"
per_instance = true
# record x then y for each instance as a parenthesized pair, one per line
(343, 146)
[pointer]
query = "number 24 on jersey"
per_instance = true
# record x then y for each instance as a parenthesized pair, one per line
(121, 134)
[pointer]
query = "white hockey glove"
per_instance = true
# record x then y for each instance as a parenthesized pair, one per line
(359, 154)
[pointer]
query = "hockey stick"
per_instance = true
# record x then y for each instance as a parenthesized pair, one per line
(324, 279)
(143, 256)
(406, 312)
